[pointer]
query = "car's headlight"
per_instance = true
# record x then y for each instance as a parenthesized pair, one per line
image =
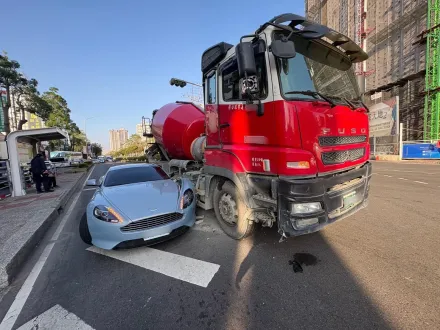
(107, 214)
(187, 199)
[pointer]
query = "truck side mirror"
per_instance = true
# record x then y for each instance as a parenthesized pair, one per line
(283, 48)
(246, 59)
(247, 69)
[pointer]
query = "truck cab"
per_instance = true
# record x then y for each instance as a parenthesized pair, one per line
(287, 136)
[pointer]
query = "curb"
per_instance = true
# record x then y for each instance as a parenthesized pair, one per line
(13, 266)
(410, 161)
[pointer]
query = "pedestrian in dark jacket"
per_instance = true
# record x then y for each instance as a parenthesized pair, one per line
(38, 169)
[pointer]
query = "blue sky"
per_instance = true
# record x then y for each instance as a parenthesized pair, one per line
(113, 59)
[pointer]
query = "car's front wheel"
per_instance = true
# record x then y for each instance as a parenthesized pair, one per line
(84, 230)
(230, 211)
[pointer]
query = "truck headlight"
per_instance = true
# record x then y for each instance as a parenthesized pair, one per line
(305, 208)
(187, 199)
(107, 214)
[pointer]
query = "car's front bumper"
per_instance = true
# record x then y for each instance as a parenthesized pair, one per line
(330, 191)
(109, 235)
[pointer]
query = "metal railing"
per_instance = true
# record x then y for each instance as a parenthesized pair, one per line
(384, 145)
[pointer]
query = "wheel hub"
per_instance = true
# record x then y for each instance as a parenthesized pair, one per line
(228, 209)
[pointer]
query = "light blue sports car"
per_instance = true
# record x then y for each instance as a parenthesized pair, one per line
(137, 204)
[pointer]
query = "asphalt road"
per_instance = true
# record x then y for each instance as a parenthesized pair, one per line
(377, 269)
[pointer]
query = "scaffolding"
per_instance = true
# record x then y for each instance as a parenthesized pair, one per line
(314, 8)
(432, 78)
(399, 23)
(343, 22)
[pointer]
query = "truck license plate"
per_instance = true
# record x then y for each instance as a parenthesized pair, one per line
(349, 200)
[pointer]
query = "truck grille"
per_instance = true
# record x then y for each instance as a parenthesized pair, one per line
(326, 141)
(152, 222)
(338, 157)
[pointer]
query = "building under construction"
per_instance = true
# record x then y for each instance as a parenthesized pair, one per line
(402, 38)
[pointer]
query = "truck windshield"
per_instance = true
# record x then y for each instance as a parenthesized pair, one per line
(316, 68)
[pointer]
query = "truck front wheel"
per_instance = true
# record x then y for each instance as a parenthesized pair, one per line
(230, 211)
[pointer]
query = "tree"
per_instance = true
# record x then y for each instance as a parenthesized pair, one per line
(96, 149)
(28, 100)
(60, 117)
(134, 145)
(9, 78)
(60, 114)
(77, 138)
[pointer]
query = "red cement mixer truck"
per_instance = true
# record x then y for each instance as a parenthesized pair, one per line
(283, 136)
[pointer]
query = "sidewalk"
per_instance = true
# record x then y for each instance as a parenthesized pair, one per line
(24, 221)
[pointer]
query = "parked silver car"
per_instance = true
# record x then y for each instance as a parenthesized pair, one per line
(137, 204)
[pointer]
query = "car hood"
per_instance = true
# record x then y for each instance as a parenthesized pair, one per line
(142, 200)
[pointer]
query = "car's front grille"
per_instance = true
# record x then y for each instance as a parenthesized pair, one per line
(327, 141)
(338, 157)
(152, 222)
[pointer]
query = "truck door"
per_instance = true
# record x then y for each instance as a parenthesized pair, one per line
(238, 121)
(211, 110)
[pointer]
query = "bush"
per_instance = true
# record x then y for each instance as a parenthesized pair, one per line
(82, 165)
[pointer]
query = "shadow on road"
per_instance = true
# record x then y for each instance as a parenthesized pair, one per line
(267, 292)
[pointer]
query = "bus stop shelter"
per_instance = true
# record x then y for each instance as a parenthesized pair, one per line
(32, 136)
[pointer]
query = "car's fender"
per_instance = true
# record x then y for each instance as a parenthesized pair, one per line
(185, 184)
(99, 199)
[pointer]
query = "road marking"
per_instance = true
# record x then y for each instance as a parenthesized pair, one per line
(88, 176)
(421, 182)
(27, 287)
(56, 318)
(403, 171)
(187, 269)
(388, 176)
(89, 189)
(403, 179)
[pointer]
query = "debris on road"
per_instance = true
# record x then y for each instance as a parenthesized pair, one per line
(300, 259)
(296, 266)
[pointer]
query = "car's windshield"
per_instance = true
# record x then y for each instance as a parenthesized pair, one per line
(311, 70)
(56, 154)
(131, 175)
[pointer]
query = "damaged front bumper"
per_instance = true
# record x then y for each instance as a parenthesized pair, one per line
(340, 195)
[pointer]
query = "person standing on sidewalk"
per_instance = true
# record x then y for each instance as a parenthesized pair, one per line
(38, 168)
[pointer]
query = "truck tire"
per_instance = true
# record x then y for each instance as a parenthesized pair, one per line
(84, 232)
(230, 211)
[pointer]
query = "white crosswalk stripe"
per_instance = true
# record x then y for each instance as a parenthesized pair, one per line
(187, 269)
(56, 318)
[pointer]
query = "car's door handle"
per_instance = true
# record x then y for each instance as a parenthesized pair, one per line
(224, 125)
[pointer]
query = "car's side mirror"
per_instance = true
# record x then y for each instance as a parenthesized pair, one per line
(91, 182)
(283, 48)
(101, 180)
